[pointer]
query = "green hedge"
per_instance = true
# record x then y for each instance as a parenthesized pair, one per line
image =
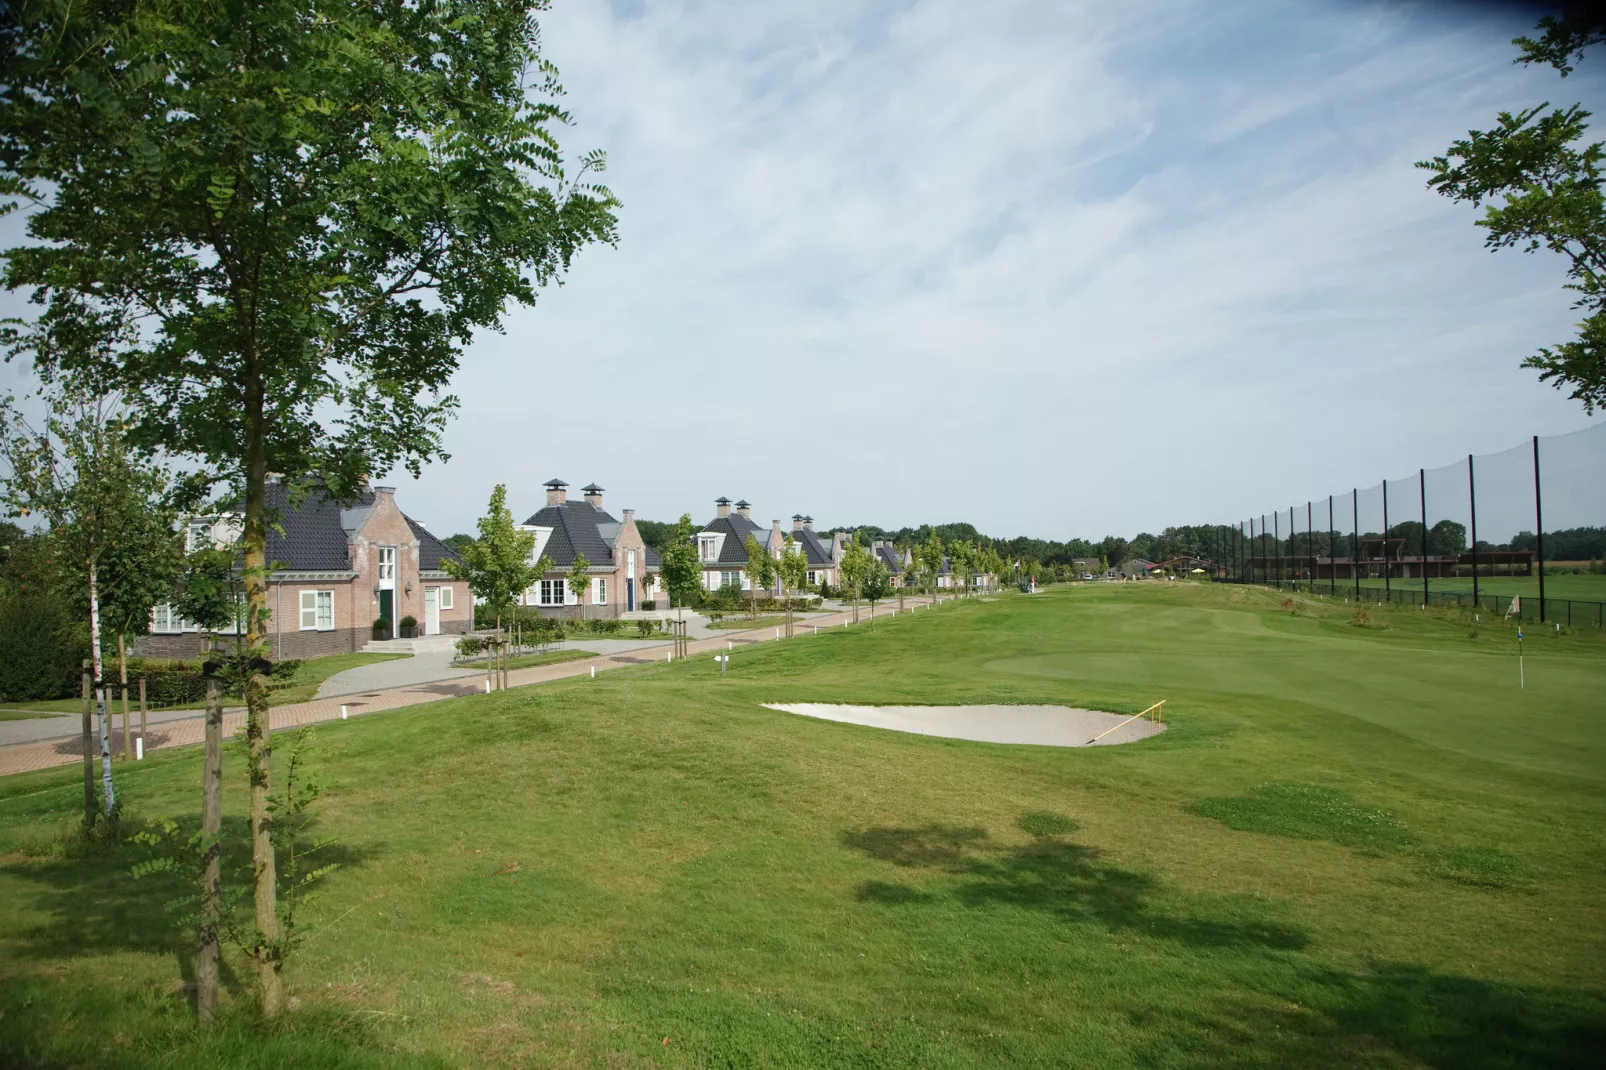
(41, 647)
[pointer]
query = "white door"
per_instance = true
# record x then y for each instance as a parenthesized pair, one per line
(432, 610)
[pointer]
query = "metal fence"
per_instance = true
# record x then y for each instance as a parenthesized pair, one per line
(1527, 524)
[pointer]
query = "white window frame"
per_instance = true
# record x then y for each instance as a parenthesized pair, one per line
(443, 597)
(317, 612)
(554, 592)
(165, 620)
(387, 569)
(708, 548)
(729, 579)
(599, 584)
(199, 536)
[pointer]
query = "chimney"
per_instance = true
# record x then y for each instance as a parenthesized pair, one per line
(557, 491)
(775, 533)
(593, 495)
(722, 508)
(385, 492)
(808, 523)
(630, 514)
(797, 521)
(878, 543)
(745, 509)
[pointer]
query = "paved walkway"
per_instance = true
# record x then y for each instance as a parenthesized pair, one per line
(186, 727)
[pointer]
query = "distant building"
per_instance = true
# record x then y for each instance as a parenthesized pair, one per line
(623, 570)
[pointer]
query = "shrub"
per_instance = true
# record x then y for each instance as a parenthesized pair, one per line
(644, 628)
(41, 650)
(650, 604)
(172, 683)
(409, 622)
(470, 645)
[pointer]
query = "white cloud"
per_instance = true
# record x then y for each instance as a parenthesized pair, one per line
(1056, 269)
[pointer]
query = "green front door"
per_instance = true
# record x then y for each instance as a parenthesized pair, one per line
(387, 610)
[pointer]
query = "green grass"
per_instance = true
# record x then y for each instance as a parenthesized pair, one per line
(527, 661)
(745, 623)
(314, 671)
(1354, 847)
(26, 714)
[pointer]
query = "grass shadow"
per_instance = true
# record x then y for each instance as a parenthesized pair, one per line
(1049, 874)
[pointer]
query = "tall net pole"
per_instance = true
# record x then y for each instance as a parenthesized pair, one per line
(1388, 567)
(1355, 548)
(1472, 501)
(1332, 558)
(1539, 531)
(1422, 491)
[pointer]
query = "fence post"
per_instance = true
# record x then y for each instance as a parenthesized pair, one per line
(1332, 557)
(1388, 567)
(1422, 491)
(1539, 531)
(1355, 546)
(1472, 499)
(142, 708)
(1277, 544)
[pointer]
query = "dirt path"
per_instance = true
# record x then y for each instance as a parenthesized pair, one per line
(185, 731)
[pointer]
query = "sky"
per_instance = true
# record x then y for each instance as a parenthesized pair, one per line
(1055, 269)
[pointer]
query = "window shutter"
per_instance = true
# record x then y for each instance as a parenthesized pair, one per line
(309, 611)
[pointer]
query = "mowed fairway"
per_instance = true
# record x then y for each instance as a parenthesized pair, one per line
(1355, 847)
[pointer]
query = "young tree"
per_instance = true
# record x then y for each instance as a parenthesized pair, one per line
(1542, 185)
(931, 562)
(760, 570)
(855, 569)
(80, 473)
(678, 565)
(793, 568)
(277, 224)
(579, 578)
(877, 585)
(963, 567)
(499, 566)
(209, 595)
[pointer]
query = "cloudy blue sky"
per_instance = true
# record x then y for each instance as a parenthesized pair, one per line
(1057, 269)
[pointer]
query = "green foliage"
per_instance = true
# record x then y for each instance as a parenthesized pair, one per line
(110, 510)
(678, 565)
(41, 647)
(209, 589)
(793, 566)
(657, 534)
(456, 543)
(254, 214)
(579, 579)
(760, 567)
(497, 566)
(877, 583)
(1309, 812)
(1539, 186)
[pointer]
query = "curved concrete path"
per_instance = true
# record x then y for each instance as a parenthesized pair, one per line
(187, 727)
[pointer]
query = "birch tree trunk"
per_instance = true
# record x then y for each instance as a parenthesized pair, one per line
(100, 694)
(89, 749)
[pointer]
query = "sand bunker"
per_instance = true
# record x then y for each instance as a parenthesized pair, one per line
(1045, 726)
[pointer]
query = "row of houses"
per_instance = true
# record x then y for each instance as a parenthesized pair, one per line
(342, 570)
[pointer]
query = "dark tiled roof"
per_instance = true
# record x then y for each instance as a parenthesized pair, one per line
(576, 529)
(891, 558)
(312, 536)
(736, 529)
(815, 549)
(308, 537)
(431, 551)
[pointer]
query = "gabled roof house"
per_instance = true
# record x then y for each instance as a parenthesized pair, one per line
(622, 569)
(335, 568)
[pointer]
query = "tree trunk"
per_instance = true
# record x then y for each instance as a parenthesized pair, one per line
(206, 951)
(89, 748)
(122, 680)
(268, 954)
(100, 693)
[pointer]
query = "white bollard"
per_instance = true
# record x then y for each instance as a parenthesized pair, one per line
(342, 713)
(669, 655)
(593, 672)
(139, 748)
(777, 633)
(729, 645)
(487, 687)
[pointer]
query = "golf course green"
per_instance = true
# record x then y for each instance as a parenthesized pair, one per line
(1358, 844)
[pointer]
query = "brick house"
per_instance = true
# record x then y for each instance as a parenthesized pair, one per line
(888, 555)
(623, 570)
(334, 568)
(722, 548)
